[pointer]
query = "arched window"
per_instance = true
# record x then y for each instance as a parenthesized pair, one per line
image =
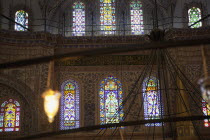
(78, 19)
(206, 111)
(21, 17)
(137, 27)
(111, 96)
(194, 15)
(107, 10)
(151, 96)
(10, 116)
(69, 117)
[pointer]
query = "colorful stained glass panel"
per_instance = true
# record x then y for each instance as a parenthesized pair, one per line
(194, 15)
(10, 116)
(69, 105)
(78, 19)
(111, 96)
(206, 111)
(137, 26)
(151, 96)
(21, 17)
(107, 18)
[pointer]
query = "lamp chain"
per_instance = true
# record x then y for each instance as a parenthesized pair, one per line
(204, 61)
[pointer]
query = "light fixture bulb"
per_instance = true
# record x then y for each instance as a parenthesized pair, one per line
(205, 89)
(51, 103)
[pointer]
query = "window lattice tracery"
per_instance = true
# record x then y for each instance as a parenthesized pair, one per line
(111, 96)
(107, 18)
(137, 27)
(69, 105)
(10, 116)
(21, 17)
(151, 96)
(78, 19)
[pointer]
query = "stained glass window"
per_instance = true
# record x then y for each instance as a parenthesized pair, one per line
(107, 18)
(10, 116)
(206, 111)
(69, 105)
(136, 17)
(78, 19)
(111, 96)
(21, 17)
(151, 96)
(194, 15)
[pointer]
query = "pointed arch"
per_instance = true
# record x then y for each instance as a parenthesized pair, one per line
(194, 15)
(151, 96)
(69, 110)
(10, 116)
(107, 18)
(136, 12)
(111, 97)
(78, 19)
(21, 17)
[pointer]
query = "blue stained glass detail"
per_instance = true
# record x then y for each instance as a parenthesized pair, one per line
(10, 116)
(21, 17)
(151, 96)
(111, 98)
(136, 10)
(78, 19)
(69, 117)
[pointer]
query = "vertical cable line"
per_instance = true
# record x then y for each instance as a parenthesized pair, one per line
(132, 90)
(155, 98)
(160, 63)
(145, 94)
(182, 100)
(135, 86)
(199, 108)
(152, 64)
(185, 81)
(197, 92)
(195, 88)
(165, 72)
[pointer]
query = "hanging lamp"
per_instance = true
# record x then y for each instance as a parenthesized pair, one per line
(205, 82)
(51, 98)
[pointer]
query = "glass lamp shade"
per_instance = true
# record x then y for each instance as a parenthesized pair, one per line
(205, 89)
(51, 103)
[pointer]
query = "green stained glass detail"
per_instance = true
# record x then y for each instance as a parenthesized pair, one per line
(194, 15)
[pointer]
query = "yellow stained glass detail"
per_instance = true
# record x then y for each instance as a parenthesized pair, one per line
(9, 118)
